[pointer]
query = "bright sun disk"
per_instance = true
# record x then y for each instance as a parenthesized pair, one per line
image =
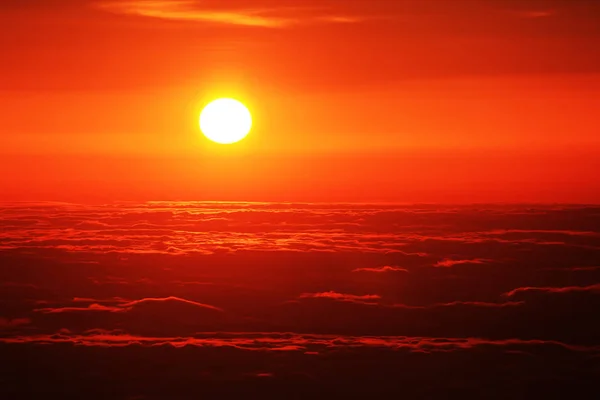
(225, 121)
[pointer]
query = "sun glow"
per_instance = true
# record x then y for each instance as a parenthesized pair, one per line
(225, 121)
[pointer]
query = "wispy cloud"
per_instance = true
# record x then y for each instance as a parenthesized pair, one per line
(124, 306)
(353, 298)
(386, 268)
(376, 300)
(169, 299)
(566, 289)
(451, 263)
(189, 10)
(91, 307)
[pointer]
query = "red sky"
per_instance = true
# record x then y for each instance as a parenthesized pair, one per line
(399, 101)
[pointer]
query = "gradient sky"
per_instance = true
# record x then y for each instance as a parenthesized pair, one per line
(395, 101)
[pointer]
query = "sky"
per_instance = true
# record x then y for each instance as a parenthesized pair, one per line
(337, 251)
(353, 101)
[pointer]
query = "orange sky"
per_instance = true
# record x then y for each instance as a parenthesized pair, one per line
(377, 100)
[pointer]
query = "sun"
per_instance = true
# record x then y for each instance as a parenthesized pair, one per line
(225, 121)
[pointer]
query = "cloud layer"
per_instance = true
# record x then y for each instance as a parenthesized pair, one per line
(284, 293)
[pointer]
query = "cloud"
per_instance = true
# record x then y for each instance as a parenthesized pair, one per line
(451, 263)
(555, 290)
(348, 264)
(363, 299)
(386, 268)
(189, 10)
(178, 229)
(137, 303)
(125, 306)
(374, 299)
(92, 308)
(286, 341)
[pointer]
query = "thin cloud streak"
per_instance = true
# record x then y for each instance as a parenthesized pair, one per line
(451, 263)
(186, 10)
(353, 298)
(95, 307)
(386, 268)
(125, 305)
(170, 298)
(567, 289)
